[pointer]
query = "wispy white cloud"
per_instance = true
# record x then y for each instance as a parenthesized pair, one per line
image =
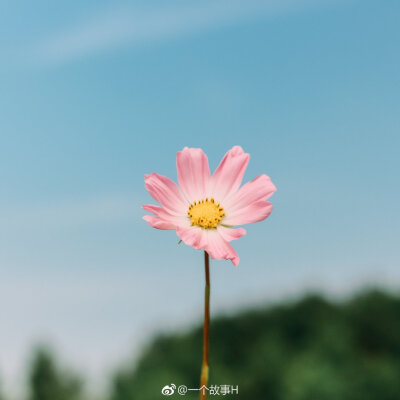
(135, 26)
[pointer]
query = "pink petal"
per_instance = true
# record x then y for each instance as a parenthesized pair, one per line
(229, 173)
(210, 241)
(260, 188)
(158, 223)
(164, 215)
(153, 209)
(167, 193)
(218, 248)
(230, 234)
(192, 236)
(193, 173)
(254, 212)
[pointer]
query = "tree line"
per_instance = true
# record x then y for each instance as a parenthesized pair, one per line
(311, 349)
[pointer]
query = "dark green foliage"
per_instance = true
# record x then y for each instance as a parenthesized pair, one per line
(1, 391)
(311, 350)
(47, 382)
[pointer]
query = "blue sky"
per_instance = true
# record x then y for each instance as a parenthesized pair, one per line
(95, 95)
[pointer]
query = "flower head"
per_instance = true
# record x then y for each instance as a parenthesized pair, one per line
(205, 208)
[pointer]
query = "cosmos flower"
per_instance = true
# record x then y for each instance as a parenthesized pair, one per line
(205, 209)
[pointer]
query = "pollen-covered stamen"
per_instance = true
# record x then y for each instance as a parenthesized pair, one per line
(206, 213)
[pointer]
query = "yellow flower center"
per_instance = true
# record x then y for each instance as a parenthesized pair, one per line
(206, 213)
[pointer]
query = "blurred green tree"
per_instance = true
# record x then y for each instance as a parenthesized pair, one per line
(1, 391)
(308, 350)
(48, 382)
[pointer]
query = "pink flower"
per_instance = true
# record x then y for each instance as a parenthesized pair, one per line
(204, 208)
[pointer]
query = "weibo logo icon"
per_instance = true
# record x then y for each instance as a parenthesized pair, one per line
(168, 390)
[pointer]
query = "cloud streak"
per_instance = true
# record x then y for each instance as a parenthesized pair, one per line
(136, 26)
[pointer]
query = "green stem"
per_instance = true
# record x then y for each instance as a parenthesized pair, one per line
(206, 329)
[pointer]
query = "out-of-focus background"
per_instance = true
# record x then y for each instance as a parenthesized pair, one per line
(93, 95)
